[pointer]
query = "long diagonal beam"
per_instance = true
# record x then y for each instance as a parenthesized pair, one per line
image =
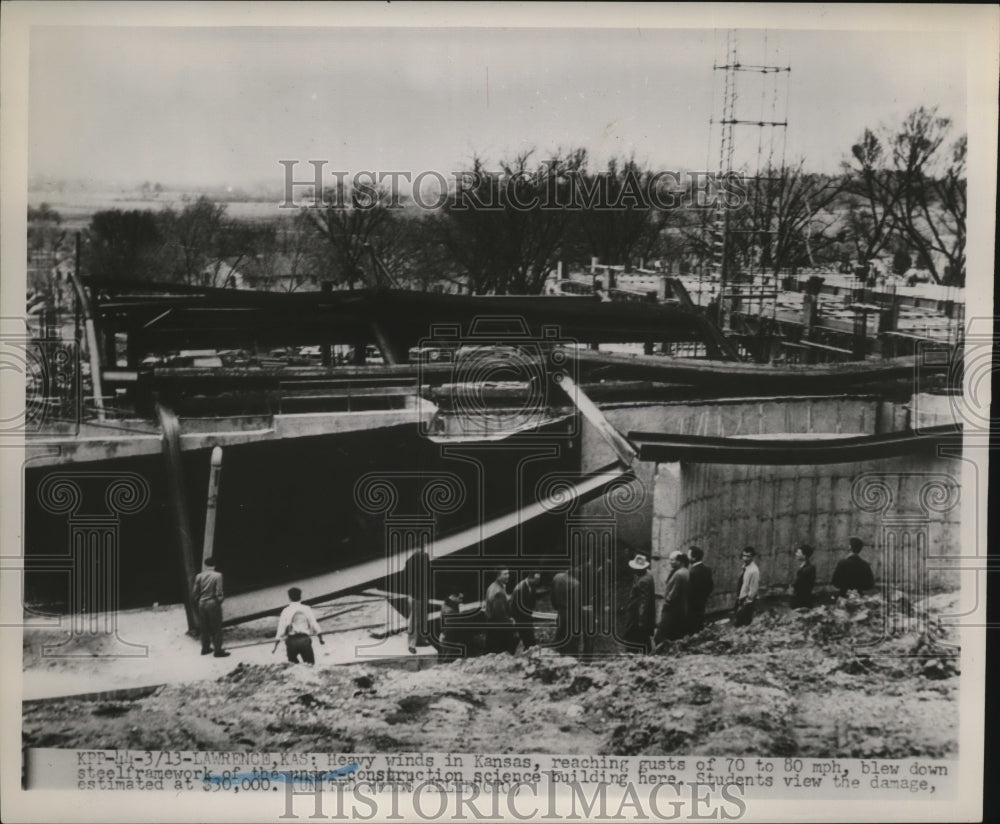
(271, 600)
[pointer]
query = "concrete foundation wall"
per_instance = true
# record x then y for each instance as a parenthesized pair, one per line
(722, 418)
(904, 509)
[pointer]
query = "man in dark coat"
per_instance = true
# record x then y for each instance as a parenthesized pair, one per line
(853, 573)
(640, 609)
(500, 635)
(207, 596)
(522, 604)
(700, 586)
(566, 601)
(805, 579)
(595, 583)
(674, 613)
(453, 640)
(417, 574)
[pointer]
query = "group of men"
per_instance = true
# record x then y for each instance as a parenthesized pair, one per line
(578, 598)
(689, 585)
(296, 624)
(510, 618)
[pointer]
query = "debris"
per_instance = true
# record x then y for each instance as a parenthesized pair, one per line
(845, 679)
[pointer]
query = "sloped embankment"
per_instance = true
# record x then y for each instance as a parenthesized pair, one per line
(857, 678)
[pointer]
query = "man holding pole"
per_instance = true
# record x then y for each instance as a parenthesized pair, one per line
(295, 624)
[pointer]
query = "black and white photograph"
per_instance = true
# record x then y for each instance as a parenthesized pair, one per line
(422, 411)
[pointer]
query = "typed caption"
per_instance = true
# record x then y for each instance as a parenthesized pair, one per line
(306, 777)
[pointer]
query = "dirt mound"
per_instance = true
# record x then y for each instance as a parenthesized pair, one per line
(859, 677)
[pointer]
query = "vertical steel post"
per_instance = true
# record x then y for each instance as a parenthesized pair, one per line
(92, 349)
(175, 483)
(324, 347)
(213, 499)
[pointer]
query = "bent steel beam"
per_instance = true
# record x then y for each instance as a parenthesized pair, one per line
(744, 377)
(271, 600)
(618, 442)
(182, 524)
(663, 448)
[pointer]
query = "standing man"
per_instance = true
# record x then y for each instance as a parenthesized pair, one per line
(700, 586)
(500, 636)
(208, 596)
(674, 613)
(640, 607)
(452, 639)
(566, 600)
(595, 585)
(853, 573)
(522, 602)
(747, 589)
(805, 579)
(295, 624)
(417, 573)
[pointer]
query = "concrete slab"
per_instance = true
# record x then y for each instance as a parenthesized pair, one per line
(173, 657)
(133, 438)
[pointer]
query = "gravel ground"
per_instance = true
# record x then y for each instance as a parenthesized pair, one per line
(792, 683)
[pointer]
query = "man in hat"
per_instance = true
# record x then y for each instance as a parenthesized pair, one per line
(640, 607)
(295, 624)
(853, 573)
(674, 613)
(700, 587)
(207, 595)
(747, 589)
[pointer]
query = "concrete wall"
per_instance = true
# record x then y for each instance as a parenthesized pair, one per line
(904, 509)
(743, 416)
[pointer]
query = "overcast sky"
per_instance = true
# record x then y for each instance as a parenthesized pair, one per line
(222, 106)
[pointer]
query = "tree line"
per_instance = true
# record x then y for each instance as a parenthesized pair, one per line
(900, 195)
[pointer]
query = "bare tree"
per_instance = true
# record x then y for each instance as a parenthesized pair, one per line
(932, 208)
(909, 185)
(625, 224)
(508, 229)
(792, 217)
(193, 237)
(874, 187)
(46, 234)
(419, 258)
(349, 223)
(125, 245)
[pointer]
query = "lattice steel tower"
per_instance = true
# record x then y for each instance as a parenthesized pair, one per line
(754, 99)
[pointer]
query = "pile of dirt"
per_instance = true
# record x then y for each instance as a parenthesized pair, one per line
(845, 679)
(861, 632)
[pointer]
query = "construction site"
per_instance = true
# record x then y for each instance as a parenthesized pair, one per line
(321, 439)
(825, 683)
(561, 465)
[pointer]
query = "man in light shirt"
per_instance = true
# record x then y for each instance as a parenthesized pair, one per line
(295, 625)
(747, 588)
